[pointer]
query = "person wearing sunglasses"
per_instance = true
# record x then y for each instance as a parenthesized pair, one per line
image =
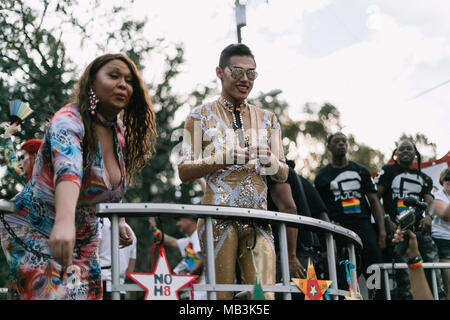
(235, 146)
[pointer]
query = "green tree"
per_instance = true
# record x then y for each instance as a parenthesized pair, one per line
(36, 69)
(304, 140)
(361, 153)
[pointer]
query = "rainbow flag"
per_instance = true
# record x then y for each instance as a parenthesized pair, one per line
(401, 206)
(19, 110)
(351, 205)
(190, 257)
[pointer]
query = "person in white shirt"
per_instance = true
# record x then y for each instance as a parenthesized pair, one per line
(127, 258)
(190, 250)
(440, 228)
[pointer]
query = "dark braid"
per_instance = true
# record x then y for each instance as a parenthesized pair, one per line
(419, 157)
(393, 154)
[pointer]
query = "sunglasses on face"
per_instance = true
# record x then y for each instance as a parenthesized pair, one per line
(237, 73)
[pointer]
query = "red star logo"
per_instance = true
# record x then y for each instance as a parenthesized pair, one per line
(311, 287)
(161, 284)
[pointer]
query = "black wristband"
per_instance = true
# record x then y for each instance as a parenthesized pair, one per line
(414, 260)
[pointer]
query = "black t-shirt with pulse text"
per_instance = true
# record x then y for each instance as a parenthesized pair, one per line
(314, 201)
(344, 191)
(400, 182)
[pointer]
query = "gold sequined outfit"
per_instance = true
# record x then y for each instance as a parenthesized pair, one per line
(208, 138)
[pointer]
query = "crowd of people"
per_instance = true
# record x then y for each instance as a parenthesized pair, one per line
(93, 147)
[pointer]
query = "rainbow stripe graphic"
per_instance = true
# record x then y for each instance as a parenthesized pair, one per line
(351, 205)
(19, 110)
(401, 206)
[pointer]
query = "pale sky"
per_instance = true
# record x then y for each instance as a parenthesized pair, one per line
(368, 58)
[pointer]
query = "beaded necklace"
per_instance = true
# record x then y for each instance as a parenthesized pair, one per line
(238, 122)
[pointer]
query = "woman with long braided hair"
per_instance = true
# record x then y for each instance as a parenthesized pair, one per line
(89, 155)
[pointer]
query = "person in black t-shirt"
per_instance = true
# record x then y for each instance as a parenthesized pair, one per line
(280, 198)
(315, 207)
(399, 180)
(302, 199)
(350, 195)
(308, 204)
(395, 182)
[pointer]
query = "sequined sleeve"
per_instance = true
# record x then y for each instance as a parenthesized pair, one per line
(193, 164)
(12, 162)
(65, 136)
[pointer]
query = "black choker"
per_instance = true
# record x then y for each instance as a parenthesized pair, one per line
(227, 105)
(105, 122)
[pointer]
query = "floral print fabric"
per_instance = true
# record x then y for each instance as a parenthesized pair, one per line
(60, 159)
(12, 162)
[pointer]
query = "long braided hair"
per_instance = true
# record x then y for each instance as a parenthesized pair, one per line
(138, 117)
(419, 157)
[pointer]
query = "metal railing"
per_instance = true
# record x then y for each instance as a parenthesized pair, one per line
(347, 237)
(330, 231)
(6, 206)
(385, 267)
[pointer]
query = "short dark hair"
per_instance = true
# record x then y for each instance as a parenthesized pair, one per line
(331, 136)
(235, 49)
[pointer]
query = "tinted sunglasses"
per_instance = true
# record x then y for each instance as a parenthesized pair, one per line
(237, 73)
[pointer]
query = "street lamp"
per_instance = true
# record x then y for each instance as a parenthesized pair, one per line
(240, 19)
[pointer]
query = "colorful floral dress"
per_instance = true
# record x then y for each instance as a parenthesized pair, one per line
(24, 235)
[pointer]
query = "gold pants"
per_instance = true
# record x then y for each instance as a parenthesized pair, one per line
(232, 240)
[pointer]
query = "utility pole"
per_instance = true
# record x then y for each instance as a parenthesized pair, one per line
(240, 19)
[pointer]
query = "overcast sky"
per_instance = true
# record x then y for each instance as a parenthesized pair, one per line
(368, 58)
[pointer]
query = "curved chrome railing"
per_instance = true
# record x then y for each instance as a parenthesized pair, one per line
(331, 232)
(6, 206)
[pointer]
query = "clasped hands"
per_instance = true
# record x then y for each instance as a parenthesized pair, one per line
(260, 153)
